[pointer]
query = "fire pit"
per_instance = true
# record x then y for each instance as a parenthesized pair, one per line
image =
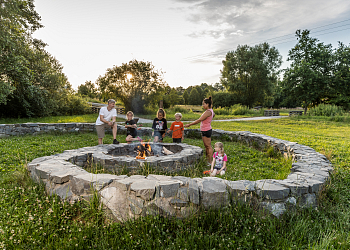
(164, 156)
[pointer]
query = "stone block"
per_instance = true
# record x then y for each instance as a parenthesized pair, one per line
(144, 188)
(136, 205)
(115, 200)
(276, 209)
(178, 203)
(183, 194)
(213, 194)
(167, 189)
(63, 176)
(193, 192)
(184, 180)
(267, 190)
(63, 191)
(308, 200)
(122, 184)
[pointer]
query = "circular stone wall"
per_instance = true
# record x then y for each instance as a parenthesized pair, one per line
(130, 197)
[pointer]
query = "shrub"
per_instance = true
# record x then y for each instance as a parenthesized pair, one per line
(224, 99)
(238, 109)
(222, 111)
(178, 109)
(326, 110)
(72, 105)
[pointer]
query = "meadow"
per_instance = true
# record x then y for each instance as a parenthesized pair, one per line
(29, 219)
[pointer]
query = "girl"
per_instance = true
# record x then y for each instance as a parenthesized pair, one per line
(206, 129)
(219, 160)
(130, 125)
(159, 126)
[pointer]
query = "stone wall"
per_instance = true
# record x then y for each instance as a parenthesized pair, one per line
(130, 197)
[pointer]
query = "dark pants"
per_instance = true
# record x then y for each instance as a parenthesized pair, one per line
(177, 140)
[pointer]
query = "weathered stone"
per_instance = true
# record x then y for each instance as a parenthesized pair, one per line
(115, 199)
(167, 189)
(178, 203)
(193, 192)
(144, 188)
(276, 209)
(238, 189)
(183, 194)
(213, 194)
(63, 191)
(122, 184)
(308, 200)
(267, 190)
(64, 175)
(136, 205)
(183, 179)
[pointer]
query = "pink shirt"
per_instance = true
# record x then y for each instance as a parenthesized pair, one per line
(206, 124)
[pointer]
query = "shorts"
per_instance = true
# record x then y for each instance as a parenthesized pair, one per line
(159, 134)
(134, 135)
(207, 133)
(100, 129)
(177, 140)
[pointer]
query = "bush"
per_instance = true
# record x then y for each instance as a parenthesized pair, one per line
(238, 109)
(178, 109)
(326, 110)
(222, 111)
(72, 105)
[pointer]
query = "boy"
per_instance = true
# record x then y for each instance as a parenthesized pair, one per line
(177, 127)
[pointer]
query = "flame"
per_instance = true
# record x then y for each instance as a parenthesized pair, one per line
(141, 155)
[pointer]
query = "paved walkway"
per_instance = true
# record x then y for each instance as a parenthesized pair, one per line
(142, 120)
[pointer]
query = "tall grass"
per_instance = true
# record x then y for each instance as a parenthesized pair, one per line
(326, 110)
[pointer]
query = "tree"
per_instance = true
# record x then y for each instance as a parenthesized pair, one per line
(341, 81)
(31, 80)
(135, 84)
(88, 89)
(309, 78)
(251, 73)
(186, 97)
(194, 98)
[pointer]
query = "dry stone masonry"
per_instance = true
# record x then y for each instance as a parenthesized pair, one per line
(130, 197)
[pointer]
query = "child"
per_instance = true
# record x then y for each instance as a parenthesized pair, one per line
(177, 127)
(130, 125)
(219, 160)
(159, 126)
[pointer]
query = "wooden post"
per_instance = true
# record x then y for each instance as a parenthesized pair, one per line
(161, 104)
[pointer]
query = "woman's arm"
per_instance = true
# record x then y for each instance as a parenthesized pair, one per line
(204, 116)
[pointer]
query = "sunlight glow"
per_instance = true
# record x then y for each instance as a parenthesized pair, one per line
(129, 76)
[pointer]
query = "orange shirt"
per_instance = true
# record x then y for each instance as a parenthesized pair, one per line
(179, 127)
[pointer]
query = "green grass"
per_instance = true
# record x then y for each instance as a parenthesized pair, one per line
(88, 118)
(244, 163)
(31, 220)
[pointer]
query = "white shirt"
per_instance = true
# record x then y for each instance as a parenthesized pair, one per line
(107, 115)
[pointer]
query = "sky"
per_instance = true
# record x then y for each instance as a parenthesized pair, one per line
(185, 39)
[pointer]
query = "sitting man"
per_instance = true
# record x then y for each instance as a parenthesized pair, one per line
(104, 121)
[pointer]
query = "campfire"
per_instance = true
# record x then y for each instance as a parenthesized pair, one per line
(144, 150)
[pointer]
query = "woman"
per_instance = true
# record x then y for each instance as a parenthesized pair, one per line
(206, 129)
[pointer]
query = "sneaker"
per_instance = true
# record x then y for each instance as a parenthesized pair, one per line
(115, 141)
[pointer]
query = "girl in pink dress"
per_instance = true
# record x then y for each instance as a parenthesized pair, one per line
(218, 166)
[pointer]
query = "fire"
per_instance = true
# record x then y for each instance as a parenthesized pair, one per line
(143, 151)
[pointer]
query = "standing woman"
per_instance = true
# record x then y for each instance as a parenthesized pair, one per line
(206, 129)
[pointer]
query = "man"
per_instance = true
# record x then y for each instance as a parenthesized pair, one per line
(104, 121)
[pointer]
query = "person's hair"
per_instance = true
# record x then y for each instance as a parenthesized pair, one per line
(179, 114)
(208, 101)
(161, 111)
(111, 101)
(130, 112)
(221, 146)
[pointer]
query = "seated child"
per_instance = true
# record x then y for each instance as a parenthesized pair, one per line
(130, 125)
(159, 126)
(177, 127)
(219, 160)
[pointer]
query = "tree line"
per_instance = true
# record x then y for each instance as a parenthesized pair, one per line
(32, 82)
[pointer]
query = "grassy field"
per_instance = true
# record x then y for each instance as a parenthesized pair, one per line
(31, 220)
(89, 118)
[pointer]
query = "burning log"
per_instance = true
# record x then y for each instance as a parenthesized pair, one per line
(143, 150)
